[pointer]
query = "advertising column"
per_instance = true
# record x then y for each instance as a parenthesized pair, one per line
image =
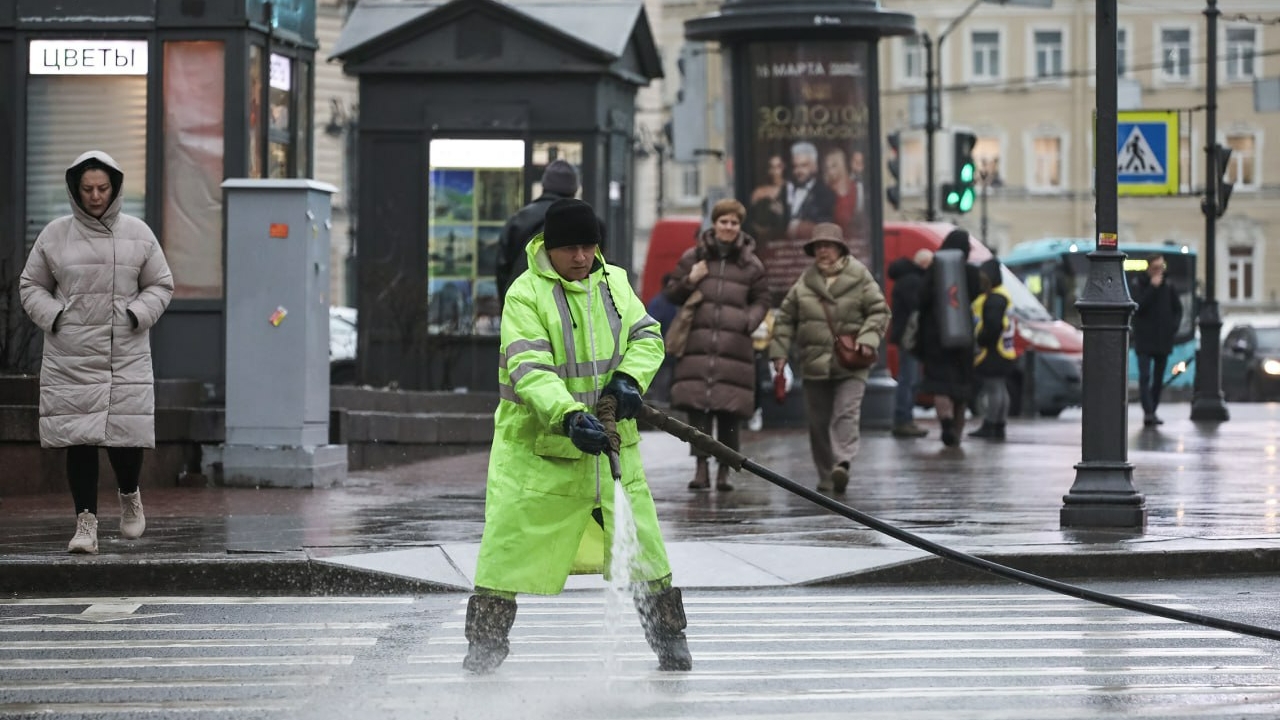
(807, 137)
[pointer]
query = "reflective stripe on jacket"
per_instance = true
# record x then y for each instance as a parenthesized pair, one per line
(1004, 344)
(561, 342)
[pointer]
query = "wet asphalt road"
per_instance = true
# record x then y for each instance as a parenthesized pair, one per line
(958, 652)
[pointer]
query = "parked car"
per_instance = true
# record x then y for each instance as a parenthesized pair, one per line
(1251, 359)
(342, 346)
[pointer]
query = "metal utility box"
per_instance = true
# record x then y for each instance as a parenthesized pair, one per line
(277, 280)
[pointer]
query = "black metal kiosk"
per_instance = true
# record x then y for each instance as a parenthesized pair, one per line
(462, 105)
(183, 94)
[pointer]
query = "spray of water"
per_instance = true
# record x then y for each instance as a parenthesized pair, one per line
(622, 554)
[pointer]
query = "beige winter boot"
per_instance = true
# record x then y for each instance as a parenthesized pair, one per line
(86, 537)
(132, 521)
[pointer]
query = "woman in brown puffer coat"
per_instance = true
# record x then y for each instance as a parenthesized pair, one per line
(715, 377)
(95, 282)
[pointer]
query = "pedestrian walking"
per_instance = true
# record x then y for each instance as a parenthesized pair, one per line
(1155, 323)
(715, 378)
(95, 283)
(760, 339)
(948, 371)
(907, 275)
(572, 330)
(836, 286)
(559, 181)
(996, 355)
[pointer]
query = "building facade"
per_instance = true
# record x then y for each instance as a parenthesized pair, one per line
(1023, 81)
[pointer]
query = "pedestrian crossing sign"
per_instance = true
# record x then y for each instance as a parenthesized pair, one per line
(1147, 152)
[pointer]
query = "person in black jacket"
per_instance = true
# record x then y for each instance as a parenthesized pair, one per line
(994, 336)
(559, 181)
(948, 371)
(1155, 323)
(907, 275)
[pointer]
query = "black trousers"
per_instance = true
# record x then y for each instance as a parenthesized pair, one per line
(727, 426)
(82, 473)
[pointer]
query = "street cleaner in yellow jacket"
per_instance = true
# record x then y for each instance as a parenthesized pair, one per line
(573, 330)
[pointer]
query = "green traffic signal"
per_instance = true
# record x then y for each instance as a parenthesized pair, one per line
(965, 201)
(966, 173)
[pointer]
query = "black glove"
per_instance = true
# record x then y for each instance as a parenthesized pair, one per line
(586, 432)
(627, 393)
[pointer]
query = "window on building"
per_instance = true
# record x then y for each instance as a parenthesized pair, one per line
(1242, 46)
(1188, 178)
(690, 182)
(986, 152)
(1175, 53)
(1122, 52)
(913, 60)
(1242, 165)
(911, 165)
(1046, 155)
(986, 55)
(1240, 264)
(1048, 53)
(194, 81)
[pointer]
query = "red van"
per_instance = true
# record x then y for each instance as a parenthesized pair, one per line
(1058, 346)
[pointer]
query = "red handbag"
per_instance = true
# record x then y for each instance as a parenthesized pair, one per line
(846, 347)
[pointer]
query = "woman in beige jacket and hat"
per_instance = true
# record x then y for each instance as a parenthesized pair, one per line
(839, 284)
(95, 282)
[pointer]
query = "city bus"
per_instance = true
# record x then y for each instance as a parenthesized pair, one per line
(1056, 270)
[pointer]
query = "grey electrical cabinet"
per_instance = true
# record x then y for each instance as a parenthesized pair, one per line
(277, 336)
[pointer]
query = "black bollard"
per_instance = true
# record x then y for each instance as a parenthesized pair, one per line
(1103, 495)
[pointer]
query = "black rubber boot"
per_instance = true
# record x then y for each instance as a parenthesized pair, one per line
(990, 430)
(663, 620)
(489, 619)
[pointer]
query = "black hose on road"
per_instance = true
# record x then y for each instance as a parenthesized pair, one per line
(738, 461)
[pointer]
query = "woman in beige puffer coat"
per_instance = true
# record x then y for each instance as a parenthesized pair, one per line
(836, 283)
(96, 281)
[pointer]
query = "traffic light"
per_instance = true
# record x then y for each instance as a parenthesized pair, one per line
(958, 195)
(1223, 153)
(892, 191)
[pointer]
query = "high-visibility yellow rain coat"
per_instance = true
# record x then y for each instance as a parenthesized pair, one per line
(561, 342)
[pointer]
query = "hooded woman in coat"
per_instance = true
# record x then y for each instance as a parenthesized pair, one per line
(95, 282)
(715, 378)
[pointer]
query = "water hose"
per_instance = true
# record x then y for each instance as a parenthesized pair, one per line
(727, 456)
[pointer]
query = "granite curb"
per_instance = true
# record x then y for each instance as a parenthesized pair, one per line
(301, 573)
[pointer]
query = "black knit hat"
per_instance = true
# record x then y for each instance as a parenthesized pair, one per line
(560, 178)
(571, 222)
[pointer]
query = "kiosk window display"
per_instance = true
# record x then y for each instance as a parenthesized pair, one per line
(474, 186)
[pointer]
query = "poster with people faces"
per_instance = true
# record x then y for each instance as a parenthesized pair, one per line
(809, 133)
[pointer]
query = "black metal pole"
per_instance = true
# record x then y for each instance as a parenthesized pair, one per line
(1103, 494)
(1207, 401)
(985, 177)
(930, 105)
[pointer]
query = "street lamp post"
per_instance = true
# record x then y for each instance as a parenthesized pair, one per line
(1103, 494)
(1207, 402)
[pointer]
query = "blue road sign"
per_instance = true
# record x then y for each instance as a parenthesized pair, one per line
(1147, 152)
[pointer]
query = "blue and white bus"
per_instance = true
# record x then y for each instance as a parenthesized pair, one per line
(1056, 270)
